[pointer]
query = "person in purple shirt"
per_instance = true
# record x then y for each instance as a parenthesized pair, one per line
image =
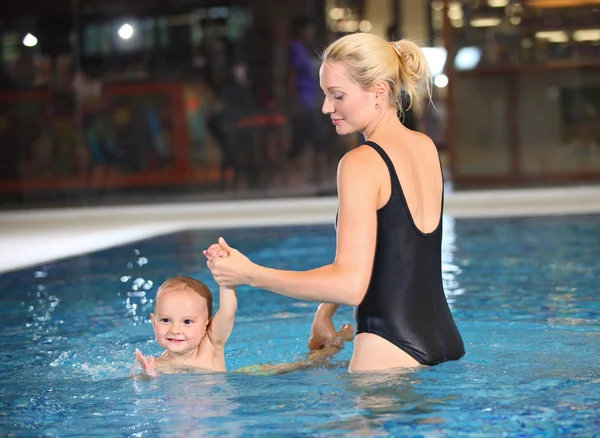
(303, 87)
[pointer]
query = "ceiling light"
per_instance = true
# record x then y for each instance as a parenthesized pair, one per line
(485, 22)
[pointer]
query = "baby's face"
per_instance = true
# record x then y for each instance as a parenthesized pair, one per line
(179, 319)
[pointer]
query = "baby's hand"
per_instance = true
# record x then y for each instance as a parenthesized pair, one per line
(148, 364)
(346, 332)
(215, 251)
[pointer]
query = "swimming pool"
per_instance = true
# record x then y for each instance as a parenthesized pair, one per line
(524, 293)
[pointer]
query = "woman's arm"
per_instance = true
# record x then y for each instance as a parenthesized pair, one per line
(345, 281)
(326, 310)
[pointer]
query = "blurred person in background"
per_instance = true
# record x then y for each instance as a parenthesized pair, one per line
(303, 88)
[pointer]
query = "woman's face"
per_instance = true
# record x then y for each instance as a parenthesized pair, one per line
(350, 107)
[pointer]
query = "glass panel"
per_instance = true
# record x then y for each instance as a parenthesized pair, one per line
(559, 126)
(139, 99)
(525, 77)
(482, 126)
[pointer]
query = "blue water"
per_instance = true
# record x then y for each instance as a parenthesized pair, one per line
(524, 293)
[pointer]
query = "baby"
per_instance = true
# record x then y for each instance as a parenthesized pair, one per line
(183, 325)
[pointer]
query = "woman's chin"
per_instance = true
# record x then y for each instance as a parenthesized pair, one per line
(342, 130)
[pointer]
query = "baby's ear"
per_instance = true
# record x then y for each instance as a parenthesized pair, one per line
(152, 319)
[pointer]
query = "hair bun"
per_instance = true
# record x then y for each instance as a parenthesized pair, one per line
(397, 48)
(411, 56)
(414, 69)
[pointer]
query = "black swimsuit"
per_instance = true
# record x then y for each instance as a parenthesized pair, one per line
(405, 302)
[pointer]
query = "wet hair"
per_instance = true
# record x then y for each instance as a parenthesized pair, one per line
(369, 58)
(182, 282)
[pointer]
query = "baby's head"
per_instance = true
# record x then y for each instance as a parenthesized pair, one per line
(182, 311)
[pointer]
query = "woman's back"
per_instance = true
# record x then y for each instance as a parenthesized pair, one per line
(405, 302)
(417, 166)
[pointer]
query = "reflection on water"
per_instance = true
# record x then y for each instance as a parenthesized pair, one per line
(192, 405)
(450, 270)
(378, 398)
(524, 294)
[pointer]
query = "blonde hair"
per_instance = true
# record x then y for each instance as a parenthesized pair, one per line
(369, 58)
(183, 282)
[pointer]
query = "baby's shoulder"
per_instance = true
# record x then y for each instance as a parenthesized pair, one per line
(209, 356)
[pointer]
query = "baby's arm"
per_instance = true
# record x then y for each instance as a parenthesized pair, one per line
(221, 326)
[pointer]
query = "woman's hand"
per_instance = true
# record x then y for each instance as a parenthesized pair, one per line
(230, 271)
(322, 333)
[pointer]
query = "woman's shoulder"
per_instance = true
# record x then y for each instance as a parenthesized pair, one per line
(362, 153)
(422, 141)
(362, 158)
(361, 166)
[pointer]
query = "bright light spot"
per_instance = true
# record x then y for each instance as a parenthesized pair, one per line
(586, 35)
(457, 23)
(126, 31)
(440, 81)
(30, 40)
(467, 58)
(553, 36)
(436, 58)
(349, 26)
(365, 26)
(485, 22)
(497, 3)
(455, 13)
(336, 13)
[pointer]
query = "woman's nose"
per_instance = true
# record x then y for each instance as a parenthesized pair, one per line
(327, 107)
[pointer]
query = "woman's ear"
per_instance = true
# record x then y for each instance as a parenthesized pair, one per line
(381, 89)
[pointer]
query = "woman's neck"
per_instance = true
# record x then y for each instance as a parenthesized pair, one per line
(385, 125)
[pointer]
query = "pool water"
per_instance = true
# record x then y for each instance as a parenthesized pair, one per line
(524, 293)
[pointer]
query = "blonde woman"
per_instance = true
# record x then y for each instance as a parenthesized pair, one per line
(389, 225)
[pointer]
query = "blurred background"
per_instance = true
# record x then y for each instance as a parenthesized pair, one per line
(111, 102)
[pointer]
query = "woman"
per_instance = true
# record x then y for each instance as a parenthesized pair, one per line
(389, 225)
